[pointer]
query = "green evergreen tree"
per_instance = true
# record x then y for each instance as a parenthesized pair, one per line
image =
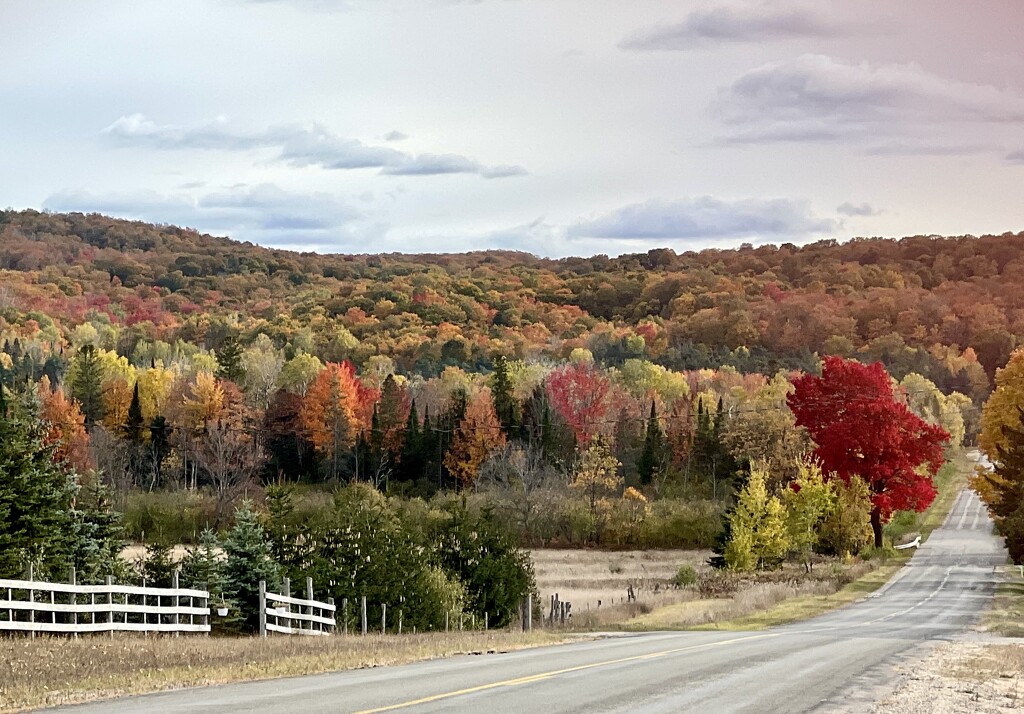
(202, 567)
(652, 458)
(504, 401)
(229, 360)
(248, 560)
(135, 425)
(87, 384)
(97, 536)
(157, 566)
(36, 494)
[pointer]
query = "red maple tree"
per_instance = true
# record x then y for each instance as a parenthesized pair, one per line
(862, 429)
(577, 392)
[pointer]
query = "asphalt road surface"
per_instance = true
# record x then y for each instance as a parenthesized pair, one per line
(829, 663)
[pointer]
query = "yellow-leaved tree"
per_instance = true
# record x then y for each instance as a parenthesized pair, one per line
(596, 477)
(808, 503)
(758, 533)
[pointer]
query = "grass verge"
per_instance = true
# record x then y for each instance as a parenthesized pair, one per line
(1006, 615)
(48, 671)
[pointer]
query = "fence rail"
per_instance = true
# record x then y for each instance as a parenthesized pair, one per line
(312, 617)
(36, 606)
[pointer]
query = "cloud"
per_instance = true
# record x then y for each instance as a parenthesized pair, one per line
(395, 136)
(264, 213)
(1016, 157)
(704, 218)
(296, 146)
(859, 209)
(736, 23)
(814, 98)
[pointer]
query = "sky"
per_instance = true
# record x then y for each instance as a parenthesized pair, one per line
(556, 127)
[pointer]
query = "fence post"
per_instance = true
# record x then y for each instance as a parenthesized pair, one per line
(176, 600)
(383, 618)
(485, 622)
(74, 599)
(364, 614)
(31, 598)
(334, 630)
(263, 608)
(528, 613)
(287, 592)
(445, 620)
(110, 604)
(400, 612)
(309, 609)
(344, 616)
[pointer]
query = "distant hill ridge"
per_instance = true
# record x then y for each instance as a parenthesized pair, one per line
(917, 303)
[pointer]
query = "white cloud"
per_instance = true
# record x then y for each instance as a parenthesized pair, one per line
(297, 146)
(264, 213)
(706, 217)
(815, 98)
(737, 23)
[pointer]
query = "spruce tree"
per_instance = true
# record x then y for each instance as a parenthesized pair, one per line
(36, 494)
(135, 424)
(229, 360)
(202, 567)
(87, 384)
(248, 560)
(504, 401)
(653, 455)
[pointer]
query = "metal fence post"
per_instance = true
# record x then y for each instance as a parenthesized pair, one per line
(263, 608)
(383, 618)
(364, 613)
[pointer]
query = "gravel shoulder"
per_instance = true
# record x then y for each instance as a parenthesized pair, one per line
(972, 675)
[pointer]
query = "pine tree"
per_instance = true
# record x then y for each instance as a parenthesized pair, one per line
(202, 567)
(229, 360)
(652, 457)
(248, 561)
(504, 400)
(36, 494)
(157, 567)
(87, 384)
(134, 426)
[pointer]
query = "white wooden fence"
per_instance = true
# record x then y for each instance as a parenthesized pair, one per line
(35, 606)
(287, 615)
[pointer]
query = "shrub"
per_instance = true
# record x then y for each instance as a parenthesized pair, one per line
(685, 576)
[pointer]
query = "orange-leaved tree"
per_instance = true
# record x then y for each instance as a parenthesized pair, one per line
(328, 413)
(479, 433)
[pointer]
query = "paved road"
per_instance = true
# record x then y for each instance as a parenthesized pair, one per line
(821, 664)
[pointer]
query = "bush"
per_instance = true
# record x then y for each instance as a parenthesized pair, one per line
(685, 576)
(168, 516)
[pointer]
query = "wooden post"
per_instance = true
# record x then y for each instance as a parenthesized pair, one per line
(364, 614)
(175, 579)
(485, 622)
(400, 612)
(445, 620)
(460, 621)
(31, 598)
(344, 616)
(110, 603)
(309, 609)
(263, 608)
(383, 618)
(472, 621)
(528, 614)
(287, 592)
(73, 580)
(334, 630)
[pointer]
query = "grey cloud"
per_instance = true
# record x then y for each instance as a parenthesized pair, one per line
(816, 98)
(395, 136)
(263, 213)
(296, 146)
(858, 209)
(1015, 157)
(736, 23)
(705, 217)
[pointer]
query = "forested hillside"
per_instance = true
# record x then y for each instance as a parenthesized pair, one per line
(594, 400)
(947, 308)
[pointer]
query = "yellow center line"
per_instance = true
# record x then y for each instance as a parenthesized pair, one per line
(554, 673)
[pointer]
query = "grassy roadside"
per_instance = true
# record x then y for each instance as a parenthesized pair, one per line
(1006, 614)
(49, 671)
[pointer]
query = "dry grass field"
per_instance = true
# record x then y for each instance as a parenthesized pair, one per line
(48, 671)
